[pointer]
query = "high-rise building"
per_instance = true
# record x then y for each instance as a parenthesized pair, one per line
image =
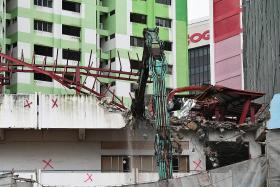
(199, 51)
(111, 29)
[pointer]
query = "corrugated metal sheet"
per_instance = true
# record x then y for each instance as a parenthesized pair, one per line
(261, 22)
(250, 173)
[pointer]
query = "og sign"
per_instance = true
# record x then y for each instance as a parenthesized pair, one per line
(197, 37)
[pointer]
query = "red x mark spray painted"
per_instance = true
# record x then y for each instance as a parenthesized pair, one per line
(197, 165)
(48, 164)
(54, 103)
(27, 103)
(89, 178)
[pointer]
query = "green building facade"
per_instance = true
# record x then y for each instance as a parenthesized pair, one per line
(71, 29)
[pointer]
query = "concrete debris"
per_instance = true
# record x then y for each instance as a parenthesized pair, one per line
(106, 102)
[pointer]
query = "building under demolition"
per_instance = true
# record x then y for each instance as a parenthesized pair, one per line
(218, 134)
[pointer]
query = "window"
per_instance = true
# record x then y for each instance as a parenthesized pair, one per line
(42, 26)
(135, 64)
(44, 3)
(42, 77)
(169, 69)
(113, 12)
(145, 163)
(43, 50)
(138, 18)
(136, 41)
(166, 2)
(163, 22)
(71, 54)
(167, 45)
(112, 36)
(71, 6)
(69, 76)
(199, 65)
(71, 30)
(103, 63)
(113, 83)
(180, 163)
(115, 163)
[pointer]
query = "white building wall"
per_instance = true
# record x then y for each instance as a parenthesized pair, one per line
(18, 111)
(61, 155)
(56, 111)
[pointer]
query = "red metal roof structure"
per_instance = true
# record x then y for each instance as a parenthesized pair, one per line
(222, 103)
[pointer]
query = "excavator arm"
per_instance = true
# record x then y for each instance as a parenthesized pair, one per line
(154, 63)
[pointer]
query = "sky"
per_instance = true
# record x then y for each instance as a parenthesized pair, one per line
(198, 9)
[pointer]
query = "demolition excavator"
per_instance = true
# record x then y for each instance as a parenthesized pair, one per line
(154, 64)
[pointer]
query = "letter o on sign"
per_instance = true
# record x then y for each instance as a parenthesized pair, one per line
(197, 37)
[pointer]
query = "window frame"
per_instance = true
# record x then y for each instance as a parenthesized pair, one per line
(43, 3)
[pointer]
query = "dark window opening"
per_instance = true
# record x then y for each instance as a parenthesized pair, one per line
(42, 77)
(8, 22)
(138, 18)
(163, 22)
(8, 47)
(225, 153)
(112, 36)
(180, 163)
(103, 87)
(136, 41)
(113, 83)
(69, 76)
(103, 63)
(199, 65)
(71, 54)
(167, 45)
(71, 30)
(126, 164)
(169, 69)
(14, 44)
(71, 6)
(42, 26)
(44, 3)
(165, 2)
(113, 59)
(113, 12)
(135, 64)
(175, 164)
(43, 50)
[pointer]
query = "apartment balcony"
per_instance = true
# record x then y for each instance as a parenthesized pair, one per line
(104, 9)
(55, 112)
(102, 32)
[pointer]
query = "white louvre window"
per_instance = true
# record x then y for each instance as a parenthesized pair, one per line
(136, 41)
(163, 22)
(42, 26)
(165, 2)
(44, 3)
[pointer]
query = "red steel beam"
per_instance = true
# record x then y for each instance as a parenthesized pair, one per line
(41, 68)
(185, 89)
(245, 110)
